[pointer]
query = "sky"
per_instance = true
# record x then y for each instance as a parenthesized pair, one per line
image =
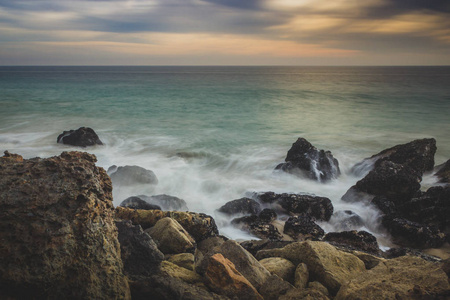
(224, 32)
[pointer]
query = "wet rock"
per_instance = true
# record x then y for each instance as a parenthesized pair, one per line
(319, 208)
(199, 226)
(139, 253)
(405, 277)
(413, 234)
(138, 203)
(301, 276)
(386, 205)
(344, 220)
(82, 137)
(443, 172)
(131, 175)
(303, 158)
(303, 228)
(166, 202)
(241, 206)
(417, 155)
(184, 260)
(223, 278)
(356, 240)
(254, 246)
(267, 215)
(281, 267)
(258, 227)
(57, 230)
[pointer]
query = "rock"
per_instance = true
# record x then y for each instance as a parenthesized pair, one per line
(138, 203)
(82, 137)
(386, 205)
(139, 252)
(281, 267)
(166, 202)
(315, 285)
(223, 278)
(418, 155)
(305, 159)
(57, 230)
(131, 175)
(413, 234)
(171, 237)
(306, 294)
(258, 227)
(405, 277)
(301, 276)
(176, 271)
(443, 172)
(267, 215)
(11, 157)
(370, 261)
(402, 251)
(184, 260)
(275, 287)
(355, 240)
(254, 246)
(206, 249)
(241, 206)
(326, 264)
(303, 228)
(319, 208)
(344, 220)
(199, 226)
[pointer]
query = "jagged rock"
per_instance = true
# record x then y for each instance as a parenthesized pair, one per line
(223, 278)
(301, 276)
(171, 237)
(139, 252)
(184, 260)
(386, 205)
(206, 249)
(254, 246)
(305, 159)
(267, 215)
(258, 227)
(344, 220)
(199, 226)
(413, 234)
(241, 206)
(176, 271)
(281, 267)
(326, 264)
(303, 228)
(82, 137)
(356, 240)
(418, 155)
(138, 203)
(11, 157)
(405, 277)
(166, 202)
(443, 172)
(131, 175)
(57, 230)
(319, 208)
(304, 294)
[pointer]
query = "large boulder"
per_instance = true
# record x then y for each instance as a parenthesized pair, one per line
(243, 206)
(303, 228)
(132, 175)
(281, 267)
(356, 240)
(58, 236)
(303, 158)
(319, 208)
(140, 255)
(82, 137)
(138, 203)
(199, 225)
(405, 277)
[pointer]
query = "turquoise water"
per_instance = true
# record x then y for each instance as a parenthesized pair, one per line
(213, 133)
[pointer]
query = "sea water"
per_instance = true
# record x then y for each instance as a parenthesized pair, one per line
(214, 134)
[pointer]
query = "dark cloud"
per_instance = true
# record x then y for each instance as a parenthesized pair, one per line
(391, 8)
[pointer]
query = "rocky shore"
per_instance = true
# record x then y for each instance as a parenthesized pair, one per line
(62, 238)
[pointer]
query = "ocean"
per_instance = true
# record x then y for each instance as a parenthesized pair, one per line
(214, 134)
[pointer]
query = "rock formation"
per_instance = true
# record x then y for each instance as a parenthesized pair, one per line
(82, 137)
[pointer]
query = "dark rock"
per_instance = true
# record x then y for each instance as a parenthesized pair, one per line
(82, 137)
(267, 215)
(418, 155)
(306, 159)
(258, 227)
(344, 220)
(241, 206)
(166, 202)
(386, 205)
(138, 203)
(253, 246)
(402, 251)
(139, 252)
(130, 175)
(57, 232)
(319, 208)
(355, 240)
(443, 172)
(303, 228)
(413, 234)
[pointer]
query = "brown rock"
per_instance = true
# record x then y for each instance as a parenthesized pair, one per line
(58, 236)
(186, 275)
(315, 285)
(223, 278)
(304, 294)
(281, 267)
(274, 287)
(301, 276)
(184, 260)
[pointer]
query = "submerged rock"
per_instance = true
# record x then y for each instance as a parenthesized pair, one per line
(131, 175)
(305, 159)
(82, 137)
(138, 203)
(344, 220)
(303, 228)
(241, 206)
(57, 231)
(260, 226)
(166, 202)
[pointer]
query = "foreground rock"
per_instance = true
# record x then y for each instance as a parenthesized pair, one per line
(199, 226)
(132, 175)
(303, 158)
(57, 230)
(82, 137)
